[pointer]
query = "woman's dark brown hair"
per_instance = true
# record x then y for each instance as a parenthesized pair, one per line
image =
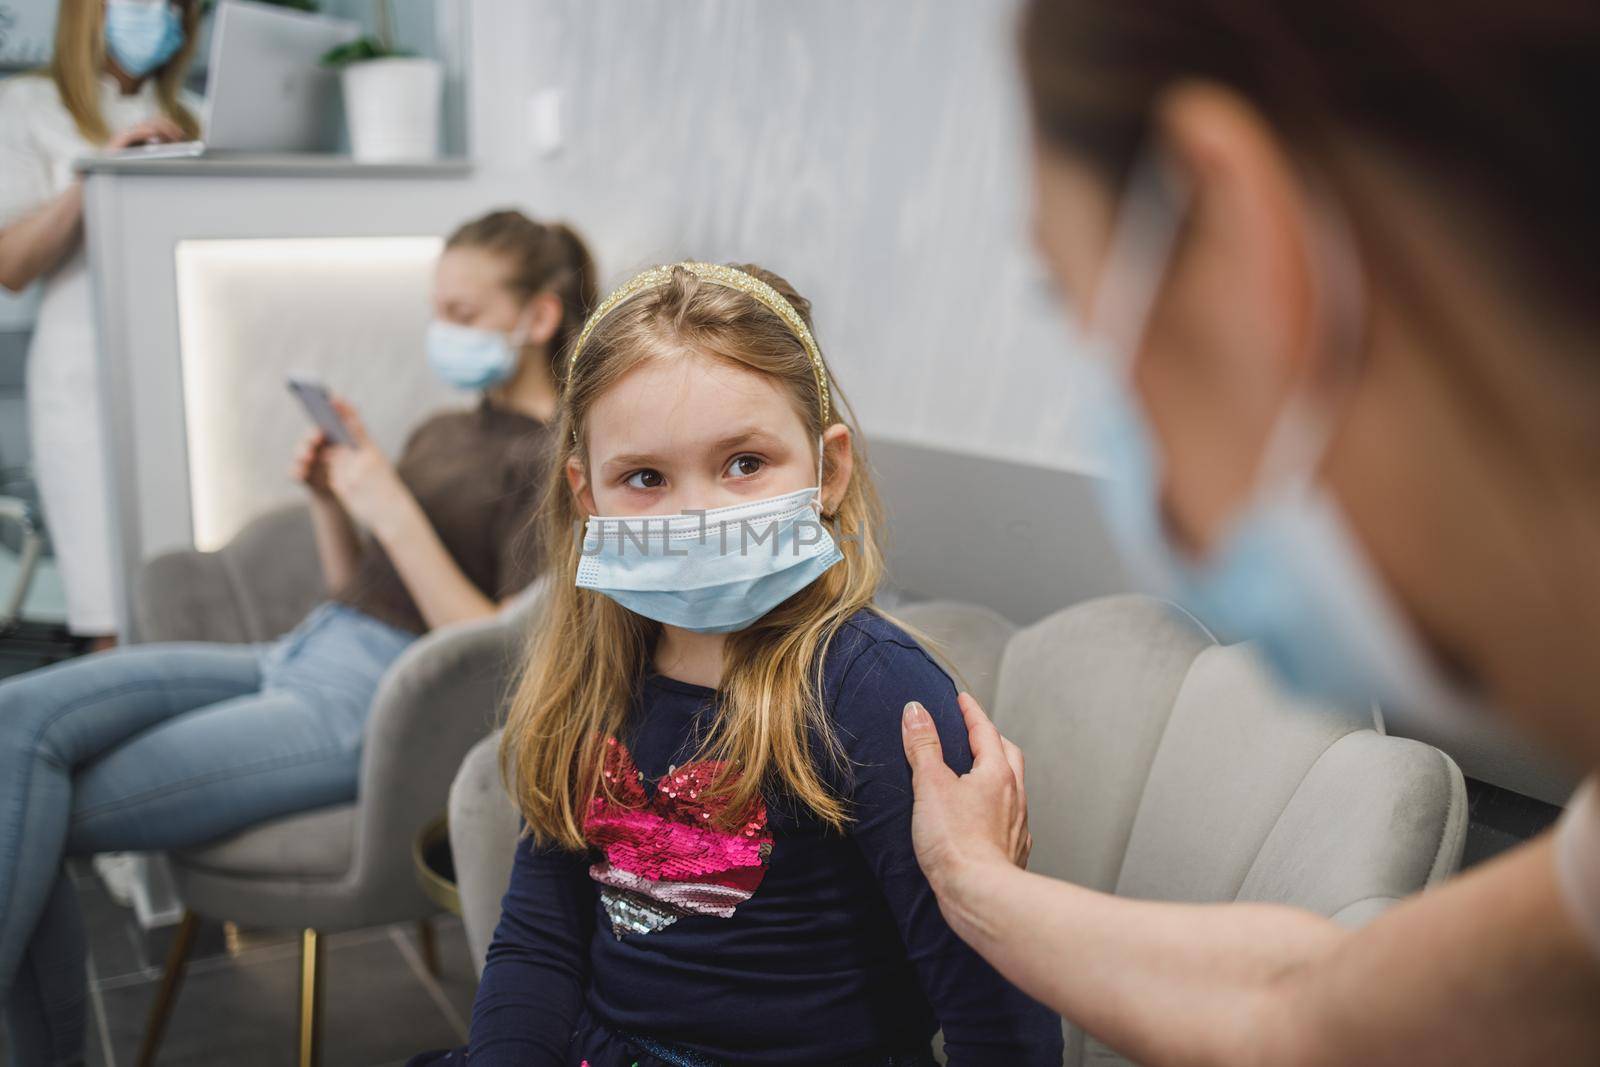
(544, 257)
(1492, 98)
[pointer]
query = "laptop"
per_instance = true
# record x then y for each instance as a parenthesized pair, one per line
(267, 91)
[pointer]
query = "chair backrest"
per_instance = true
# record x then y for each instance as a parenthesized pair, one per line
(441, 697)
(1165, 766)
(967, 640)
(254, 588)
(483, 839)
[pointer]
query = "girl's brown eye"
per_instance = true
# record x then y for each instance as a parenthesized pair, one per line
(646, 479)
(745, 466)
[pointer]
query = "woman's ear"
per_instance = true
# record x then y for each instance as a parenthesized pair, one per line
(838, 464)
(1238, 327)
(1248, 233)
(578, 482)
(541, 318)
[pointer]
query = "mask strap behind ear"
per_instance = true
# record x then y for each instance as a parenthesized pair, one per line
(1143, 234)
(1304, 428)
(518, 337)
(821, 447)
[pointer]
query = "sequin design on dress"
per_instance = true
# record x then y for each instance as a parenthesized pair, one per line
(665, 857)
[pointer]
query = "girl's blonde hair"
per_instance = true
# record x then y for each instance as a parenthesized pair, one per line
(588, 653)
(80, 59)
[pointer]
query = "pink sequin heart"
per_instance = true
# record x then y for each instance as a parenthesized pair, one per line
(665, 855)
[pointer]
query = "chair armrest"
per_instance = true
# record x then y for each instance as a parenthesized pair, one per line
(1375, 820)
(441, 697)
(483, 840)
(186, 596)
(969, 642)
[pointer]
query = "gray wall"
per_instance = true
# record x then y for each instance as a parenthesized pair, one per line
(871, 152)
(1021, 539)
(875, 154)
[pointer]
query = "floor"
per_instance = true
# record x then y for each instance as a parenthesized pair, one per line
(240, 1008)
(1499, 819)
(46, 600)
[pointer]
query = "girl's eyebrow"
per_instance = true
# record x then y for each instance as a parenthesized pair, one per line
(743, 437)
(732, 441)
(630, 459)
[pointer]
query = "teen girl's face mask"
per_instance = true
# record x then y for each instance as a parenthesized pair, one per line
(721, 569)
(467, 357)
(1288, 572)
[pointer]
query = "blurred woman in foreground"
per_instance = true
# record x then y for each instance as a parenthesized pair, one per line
(1337, 261)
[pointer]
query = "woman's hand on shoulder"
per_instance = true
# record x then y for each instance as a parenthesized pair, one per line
(961, 823)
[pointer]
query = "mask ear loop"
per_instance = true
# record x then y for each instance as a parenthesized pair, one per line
(518, 337)
(1143, 236)
(1304, 429)
(821, 447)
(1144, 232)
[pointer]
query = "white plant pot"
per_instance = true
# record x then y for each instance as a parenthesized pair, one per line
(392, 107)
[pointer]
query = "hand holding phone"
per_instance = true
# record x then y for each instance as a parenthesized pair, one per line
(358, 476)
(314, 397)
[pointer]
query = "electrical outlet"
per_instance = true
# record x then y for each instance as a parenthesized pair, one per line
(544, 121)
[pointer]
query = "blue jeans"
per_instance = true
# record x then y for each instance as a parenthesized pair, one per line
(158, 747)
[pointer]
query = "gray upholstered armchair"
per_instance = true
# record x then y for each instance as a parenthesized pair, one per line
(350, 865)
(1160, 765)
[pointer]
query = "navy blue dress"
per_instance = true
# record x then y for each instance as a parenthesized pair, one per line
(778, 941)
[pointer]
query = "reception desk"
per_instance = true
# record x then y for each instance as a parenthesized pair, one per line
(212, 279)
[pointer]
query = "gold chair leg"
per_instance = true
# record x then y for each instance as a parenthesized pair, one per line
(172, 977)
(429, 946)
(310, 999)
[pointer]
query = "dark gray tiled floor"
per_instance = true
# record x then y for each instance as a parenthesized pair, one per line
(240, 1010)
(1501, 819)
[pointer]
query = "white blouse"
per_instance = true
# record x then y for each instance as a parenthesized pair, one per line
(39, 140)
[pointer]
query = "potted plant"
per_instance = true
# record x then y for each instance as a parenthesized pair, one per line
(391, 97)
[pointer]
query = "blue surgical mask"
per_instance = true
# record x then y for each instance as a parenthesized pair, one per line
(470, 358)
(712, 571)
(142, 35)
(1288, 573)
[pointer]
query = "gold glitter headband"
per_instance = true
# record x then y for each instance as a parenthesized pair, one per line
(716, 273)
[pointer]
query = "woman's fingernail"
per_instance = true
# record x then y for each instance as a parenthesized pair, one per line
(916, 714)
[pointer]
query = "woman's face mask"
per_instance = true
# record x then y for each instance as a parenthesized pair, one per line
(1288, 572)
(141, 35)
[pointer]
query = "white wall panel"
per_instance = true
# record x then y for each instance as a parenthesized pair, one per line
(873, 153)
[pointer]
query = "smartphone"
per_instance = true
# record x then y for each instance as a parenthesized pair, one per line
(313, 396)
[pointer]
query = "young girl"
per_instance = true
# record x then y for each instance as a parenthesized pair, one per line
(706, 742)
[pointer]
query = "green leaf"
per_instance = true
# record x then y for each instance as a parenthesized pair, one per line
(358, 51)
